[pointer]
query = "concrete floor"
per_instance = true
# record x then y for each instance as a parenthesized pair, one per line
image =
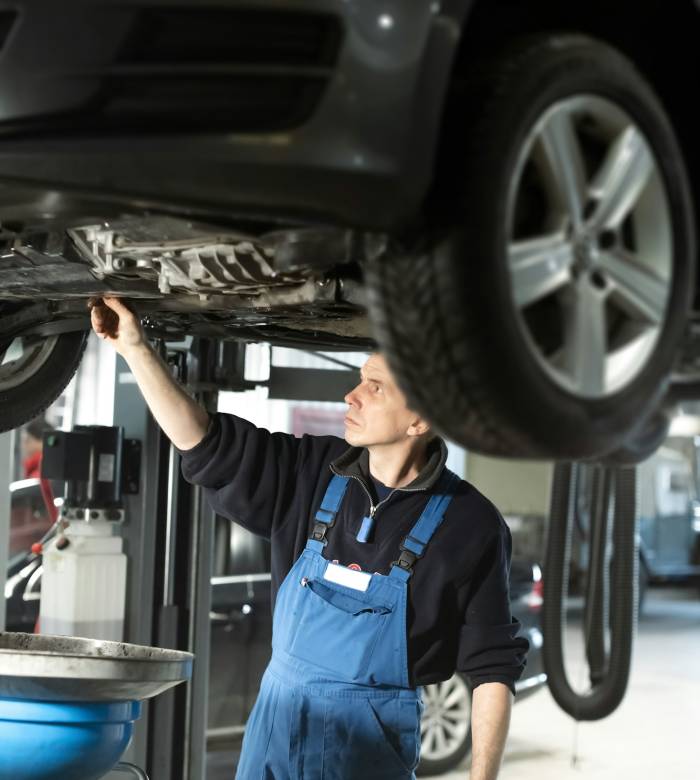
(654, 732)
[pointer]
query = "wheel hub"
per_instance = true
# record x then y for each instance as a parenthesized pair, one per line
(586, 254)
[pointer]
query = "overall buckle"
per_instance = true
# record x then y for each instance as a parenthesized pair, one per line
(405, 560)
(320, 529)
(407, 557)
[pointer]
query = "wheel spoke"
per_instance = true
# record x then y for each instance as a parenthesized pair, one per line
(539, 267)
(585, 338)
(457, 715)
(429, 695)
(456, 696)
(638, 290)
(621, 180)
(561, 154)
(440, 741)
(430, 740)
(4, 346)
(450, 729)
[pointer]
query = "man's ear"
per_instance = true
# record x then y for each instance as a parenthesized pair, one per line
(418, 427)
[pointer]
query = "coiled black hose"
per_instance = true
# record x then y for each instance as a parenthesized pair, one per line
(609, 667)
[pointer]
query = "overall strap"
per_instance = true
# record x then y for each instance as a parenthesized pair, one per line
(413, 546)
(325, 516)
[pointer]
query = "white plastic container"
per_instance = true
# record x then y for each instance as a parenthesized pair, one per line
(83, 587)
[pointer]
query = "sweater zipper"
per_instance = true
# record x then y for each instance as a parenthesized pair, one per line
(373, 509)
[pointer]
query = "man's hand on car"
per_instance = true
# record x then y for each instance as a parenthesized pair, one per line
(113, 321)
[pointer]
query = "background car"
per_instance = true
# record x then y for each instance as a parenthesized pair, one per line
(508, 189)
(241, 639)
(667, 511)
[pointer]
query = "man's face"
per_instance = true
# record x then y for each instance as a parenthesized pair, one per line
(377, 412)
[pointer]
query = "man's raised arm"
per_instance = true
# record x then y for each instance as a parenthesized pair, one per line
(182, 419)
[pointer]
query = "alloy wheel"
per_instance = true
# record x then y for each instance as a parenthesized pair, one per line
(446, 719)
(589, 246)
(22, 358)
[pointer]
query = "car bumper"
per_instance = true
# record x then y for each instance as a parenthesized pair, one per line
(89, 113)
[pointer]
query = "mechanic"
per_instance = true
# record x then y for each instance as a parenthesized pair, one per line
(388, 572)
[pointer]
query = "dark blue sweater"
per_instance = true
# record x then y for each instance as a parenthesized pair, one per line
(458, 615)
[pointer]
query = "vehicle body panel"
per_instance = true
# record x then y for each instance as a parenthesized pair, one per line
(364, 156)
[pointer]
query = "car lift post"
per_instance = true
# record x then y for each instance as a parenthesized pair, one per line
(168, 534)
(6, 452)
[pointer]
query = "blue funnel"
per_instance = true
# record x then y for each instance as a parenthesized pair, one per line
(43, 740)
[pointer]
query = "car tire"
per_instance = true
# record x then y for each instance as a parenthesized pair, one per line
(42, 368)
(447, 716)
(643, 444)
(490, 364)
(642, 586)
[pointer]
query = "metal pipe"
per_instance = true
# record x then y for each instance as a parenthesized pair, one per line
(170, 535)
(132, 769)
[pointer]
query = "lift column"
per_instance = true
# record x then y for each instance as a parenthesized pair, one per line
(167, 538)
(6, 450)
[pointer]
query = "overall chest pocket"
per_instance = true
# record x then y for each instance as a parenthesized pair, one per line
(336, 630)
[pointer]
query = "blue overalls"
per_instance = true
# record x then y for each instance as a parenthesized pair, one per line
(335, 701)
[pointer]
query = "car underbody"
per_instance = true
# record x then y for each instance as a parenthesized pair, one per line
(295, 286)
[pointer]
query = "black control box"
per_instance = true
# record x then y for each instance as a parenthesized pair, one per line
(89, 460)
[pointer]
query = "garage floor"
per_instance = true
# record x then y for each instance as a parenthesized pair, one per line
(655, 731)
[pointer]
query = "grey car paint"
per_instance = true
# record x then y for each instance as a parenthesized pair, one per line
(364, 157)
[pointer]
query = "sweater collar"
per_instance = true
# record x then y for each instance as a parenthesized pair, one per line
(354, 462)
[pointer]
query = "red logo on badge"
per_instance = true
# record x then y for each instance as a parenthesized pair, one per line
(354, 567)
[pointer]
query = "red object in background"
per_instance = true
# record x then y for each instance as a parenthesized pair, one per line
(47, 494)
(32, 465)
(535, 598)
(32, 469)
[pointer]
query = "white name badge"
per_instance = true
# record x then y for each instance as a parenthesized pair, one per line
(358, 580)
